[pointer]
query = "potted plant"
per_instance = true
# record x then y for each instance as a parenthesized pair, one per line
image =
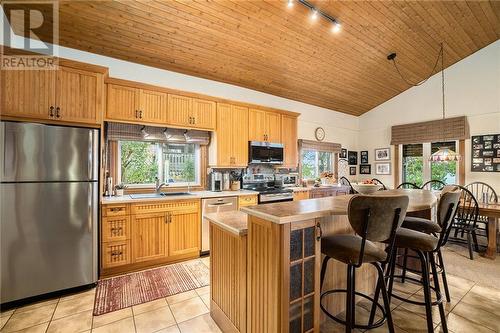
(119, 188)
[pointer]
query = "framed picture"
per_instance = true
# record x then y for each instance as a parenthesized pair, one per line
(352, 157)
(343, 153)
(383, 154)
(364, 157)
(365, 169)
(383, 168)
(485, 153)
(352, 170)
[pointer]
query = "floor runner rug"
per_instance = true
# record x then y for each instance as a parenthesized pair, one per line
(140, 287)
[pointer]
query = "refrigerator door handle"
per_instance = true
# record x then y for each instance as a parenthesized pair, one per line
(90, 207)
(91, 155)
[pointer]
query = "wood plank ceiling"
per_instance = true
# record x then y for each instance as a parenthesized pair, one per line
(266, 46)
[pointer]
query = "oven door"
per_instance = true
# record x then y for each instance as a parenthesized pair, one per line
(275, 197)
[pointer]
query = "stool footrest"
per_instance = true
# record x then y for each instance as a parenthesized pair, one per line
(439, 297)
(379, 323)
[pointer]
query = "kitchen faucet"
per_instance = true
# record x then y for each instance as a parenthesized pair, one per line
(158, 185)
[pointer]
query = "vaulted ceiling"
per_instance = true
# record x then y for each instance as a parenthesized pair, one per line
(269, 47)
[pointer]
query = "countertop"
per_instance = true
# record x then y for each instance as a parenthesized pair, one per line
(294, 211)
(322, 187)
(232, 221)
(193, 195)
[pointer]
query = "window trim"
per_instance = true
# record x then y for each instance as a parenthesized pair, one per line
(460, 171)
(114, 172)
(330, 147)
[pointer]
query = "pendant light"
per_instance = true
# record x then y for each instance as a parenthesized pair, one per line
(444, 154)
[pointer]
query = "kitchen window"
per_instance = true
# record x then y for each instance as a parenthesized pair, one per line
(140, 162)
(315, 162)
(417, 169)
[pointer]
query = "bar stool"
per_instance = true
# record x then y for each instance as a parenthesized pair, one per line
(426, 246)
(375, 219)
(428, 227)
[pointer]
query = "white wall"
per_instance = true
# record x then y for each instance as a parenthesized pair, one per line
(472, 88)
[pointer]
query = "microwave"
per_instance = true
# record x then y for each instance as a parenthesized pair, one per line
(265, 152)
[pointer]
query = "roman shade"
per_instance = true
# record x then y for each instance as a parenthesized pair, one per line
(320, 146)
(430, 131)
(133, 132)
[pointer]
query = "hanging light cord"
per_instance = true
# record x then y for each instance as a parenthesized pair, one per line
(392, 57)
(442, 76)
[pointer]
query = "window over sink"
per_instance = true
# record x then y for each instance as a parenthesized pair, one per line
(140, 162)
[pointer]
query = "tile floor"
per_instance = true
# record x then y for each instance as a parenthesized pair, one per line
(473, 308)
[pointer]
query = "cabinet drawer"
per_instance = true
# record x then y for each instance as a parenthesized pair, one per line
(115, 210)
(115, 254)
(115, 228)
(169, 206)
(247, 200)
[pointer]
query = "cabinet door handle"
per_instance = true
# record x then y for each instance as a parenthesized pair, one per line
(57, 112)
(136, 114)
(140, 114)
(51, 114)
(116, 209)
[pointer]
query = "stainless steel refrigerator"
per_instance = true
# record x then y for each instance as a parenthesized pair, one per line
(49, 204)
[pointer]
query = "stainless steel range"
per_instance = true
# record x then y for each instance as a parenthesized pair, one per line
(269, 191)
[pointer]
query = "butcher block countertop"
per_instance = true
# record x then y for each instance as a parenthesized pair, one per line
(294, 211)
(232, 221)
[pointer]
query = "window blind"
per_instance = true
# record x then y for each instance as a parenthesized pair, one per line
(320, 146)
(430, 131)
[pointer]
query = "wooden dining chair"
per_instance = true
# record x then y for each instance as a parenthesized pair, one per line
(378, 182)
(408, 185)
(344, 181)
(434, 184)
(484, 193)
(466, 220)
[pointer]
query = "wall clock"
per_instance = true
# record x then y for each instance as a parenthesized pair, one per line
(319, 133)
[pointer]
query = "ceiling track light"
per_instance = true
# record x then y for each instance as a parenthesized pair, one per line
(315, 13)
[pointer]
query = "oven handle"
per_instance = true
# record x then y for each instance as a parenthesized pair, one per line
(220, 204)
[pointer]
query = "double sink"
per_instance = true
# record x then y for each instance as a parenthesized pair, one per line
(158, 195)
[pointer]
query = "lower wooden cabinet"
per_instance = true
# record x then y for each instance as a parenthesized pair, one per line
(142, 234)
(300, 195)
(149, 232)
(247, 200)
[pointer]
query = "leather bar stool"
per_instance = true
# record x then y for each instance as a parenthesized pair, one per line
(428, 227)
(375, 219)
(426, 246)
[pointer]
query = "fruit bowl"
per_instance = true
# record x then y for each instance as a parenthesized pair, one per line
(366, 188)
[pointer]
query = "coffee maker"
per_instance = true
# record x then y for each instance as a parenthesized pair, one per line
(216, 181)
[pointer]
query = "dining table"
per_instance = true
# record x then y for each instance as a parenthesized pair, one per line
(492, 212)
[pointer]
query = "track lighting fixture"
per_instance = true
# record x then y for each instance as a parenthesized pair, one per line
(315, 13)
(336, 27)
(144, 133)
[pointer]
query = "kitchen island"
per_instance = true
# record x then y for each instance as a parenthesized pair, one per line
(265, 277)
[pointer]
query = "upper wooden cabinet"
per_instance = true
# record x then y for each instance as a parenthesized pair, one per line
(136, 104)
(230, 148)
(191, 112)
(264, 126)
(69, 94)
(289, 139)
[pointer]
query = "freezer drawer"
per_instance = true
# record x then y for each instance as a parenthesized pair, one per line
(48, 237)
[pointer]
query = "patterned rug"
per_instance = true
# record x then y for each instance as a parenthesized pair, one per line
(123, 291)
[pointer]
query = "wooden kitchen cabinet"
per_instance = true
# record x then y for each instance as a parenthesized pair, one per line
(136, 104)
(28, 93)
(264, 126)
(123, 103)
(191, 112)
(152, 106)
(149, 234)
(73, 93)
(231, 137)
(247, 200)
(183, 233)
(289, 138)
(300, 195)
